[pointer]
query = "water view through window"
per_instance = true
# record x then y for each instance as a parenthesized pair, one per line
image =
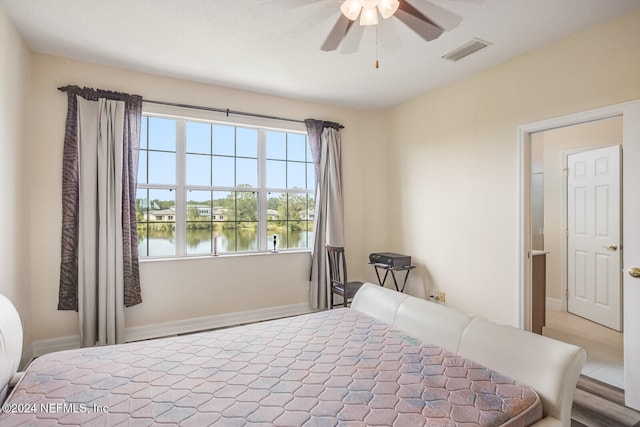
(241, 187)
(162, 242)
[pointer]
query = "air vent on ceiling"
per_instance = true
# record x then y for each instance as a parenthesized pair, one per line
(466, 50)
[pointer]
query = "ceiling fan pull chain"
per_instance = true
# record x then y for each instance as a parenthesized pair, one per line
(377, 62)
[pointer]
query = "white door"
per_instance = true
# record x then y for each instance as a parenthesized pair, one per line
(594, 260)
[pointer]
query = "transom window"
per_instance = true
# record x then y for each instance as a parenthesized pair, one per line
(207, 187)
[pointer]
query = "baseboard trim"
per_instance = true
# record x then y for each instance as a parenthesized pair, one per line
(554, 304)
(41, 347)
(165, 329)
(215, 321)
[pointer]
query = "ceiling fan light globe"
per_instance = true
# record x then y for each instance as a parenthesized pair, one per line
(351, 9)
(388, 7)
(369, 16)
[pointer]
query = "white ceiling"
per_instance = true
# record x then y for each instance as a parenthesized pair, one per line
(272, 46)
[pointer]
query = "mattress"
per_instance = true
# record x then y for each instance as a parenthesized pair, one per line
(337, 367)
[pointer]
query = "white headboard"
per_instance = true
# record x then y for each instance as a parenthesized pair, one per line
(10, 343)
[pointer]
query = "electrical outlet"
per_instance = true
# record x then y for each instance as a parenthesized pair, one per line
(437, 296)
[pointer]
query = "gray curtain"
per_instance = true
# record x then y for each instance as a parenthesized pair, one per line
(99, 272)
(326, 149)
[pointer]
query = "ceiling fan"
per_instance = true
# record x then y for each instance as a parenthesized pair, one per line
(368, 10)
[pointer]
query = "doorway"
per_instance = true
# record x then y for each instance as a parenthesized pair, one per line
(629, 113)
(573, 256)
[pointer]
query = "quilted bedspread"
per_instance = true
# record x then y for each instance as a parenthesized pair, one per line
(337, 367)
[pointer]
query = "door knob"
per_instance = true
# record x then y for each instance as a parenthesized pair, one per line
(612, 247)
(634, 272)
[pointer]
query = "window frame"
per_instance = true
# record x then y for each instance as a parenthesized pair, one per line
(181, 189)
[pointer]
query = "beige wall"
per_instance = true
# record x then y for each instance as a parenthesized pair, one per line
(14, 181)
(184, 289)
(454, 163)
(557, 143)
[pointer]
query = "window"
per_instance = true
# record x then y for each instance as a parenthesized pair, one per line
(208, 187)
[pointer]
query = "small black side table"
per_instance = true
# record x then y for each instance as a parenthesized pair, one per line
(387, 268)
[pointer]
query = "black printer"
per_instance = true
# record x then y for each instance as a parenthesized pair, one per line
(390, 259)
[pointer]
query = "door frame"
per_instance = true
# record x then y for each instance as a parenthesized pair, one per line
(564, 247)
(630, 113)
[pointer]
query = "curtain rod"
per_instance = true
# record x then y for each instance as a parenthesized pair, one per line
(219, 110)
(223, 110)
(228, 111)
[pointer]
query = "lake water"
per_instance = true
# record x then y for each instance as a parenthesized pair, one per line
(200, 241)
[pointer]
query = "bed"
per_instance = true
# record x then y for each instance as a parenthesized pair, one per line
(337, 367)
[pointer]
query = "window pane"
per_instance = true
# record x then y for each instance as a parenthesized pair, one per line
(311, 177)
(162, 134)
(160, 222)
(199, 226)
(224, 140)
(247, 142)
(198, 169)
(297, 234)
(296, 147)
(142, 205)
(311, 208)
(306, 236)
(296, 206)
(276, 145)
(142, 167)
(160, 199)
(289, 220)
(226, 240)
(224, 200)
(143, 132)
(308, 149)
(162, 168)
(276, 206)
(276, 174)
(247, 237)
(276, 220)
(247, 206)
(296, 175)
(199, 238)
(223, 171)
(198, 137)
(246, 172)
(224, 234)
(275, 240)
(198, 205)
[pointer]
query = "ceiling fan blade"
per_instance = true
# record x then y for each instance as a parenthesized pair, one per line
(351, 41)
(390, 40)
(443, 18)
(338, 32)
(414, 19)
(288, 3)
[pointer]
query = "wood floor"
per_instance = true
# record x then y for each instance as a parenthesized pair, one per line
(597, 404)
